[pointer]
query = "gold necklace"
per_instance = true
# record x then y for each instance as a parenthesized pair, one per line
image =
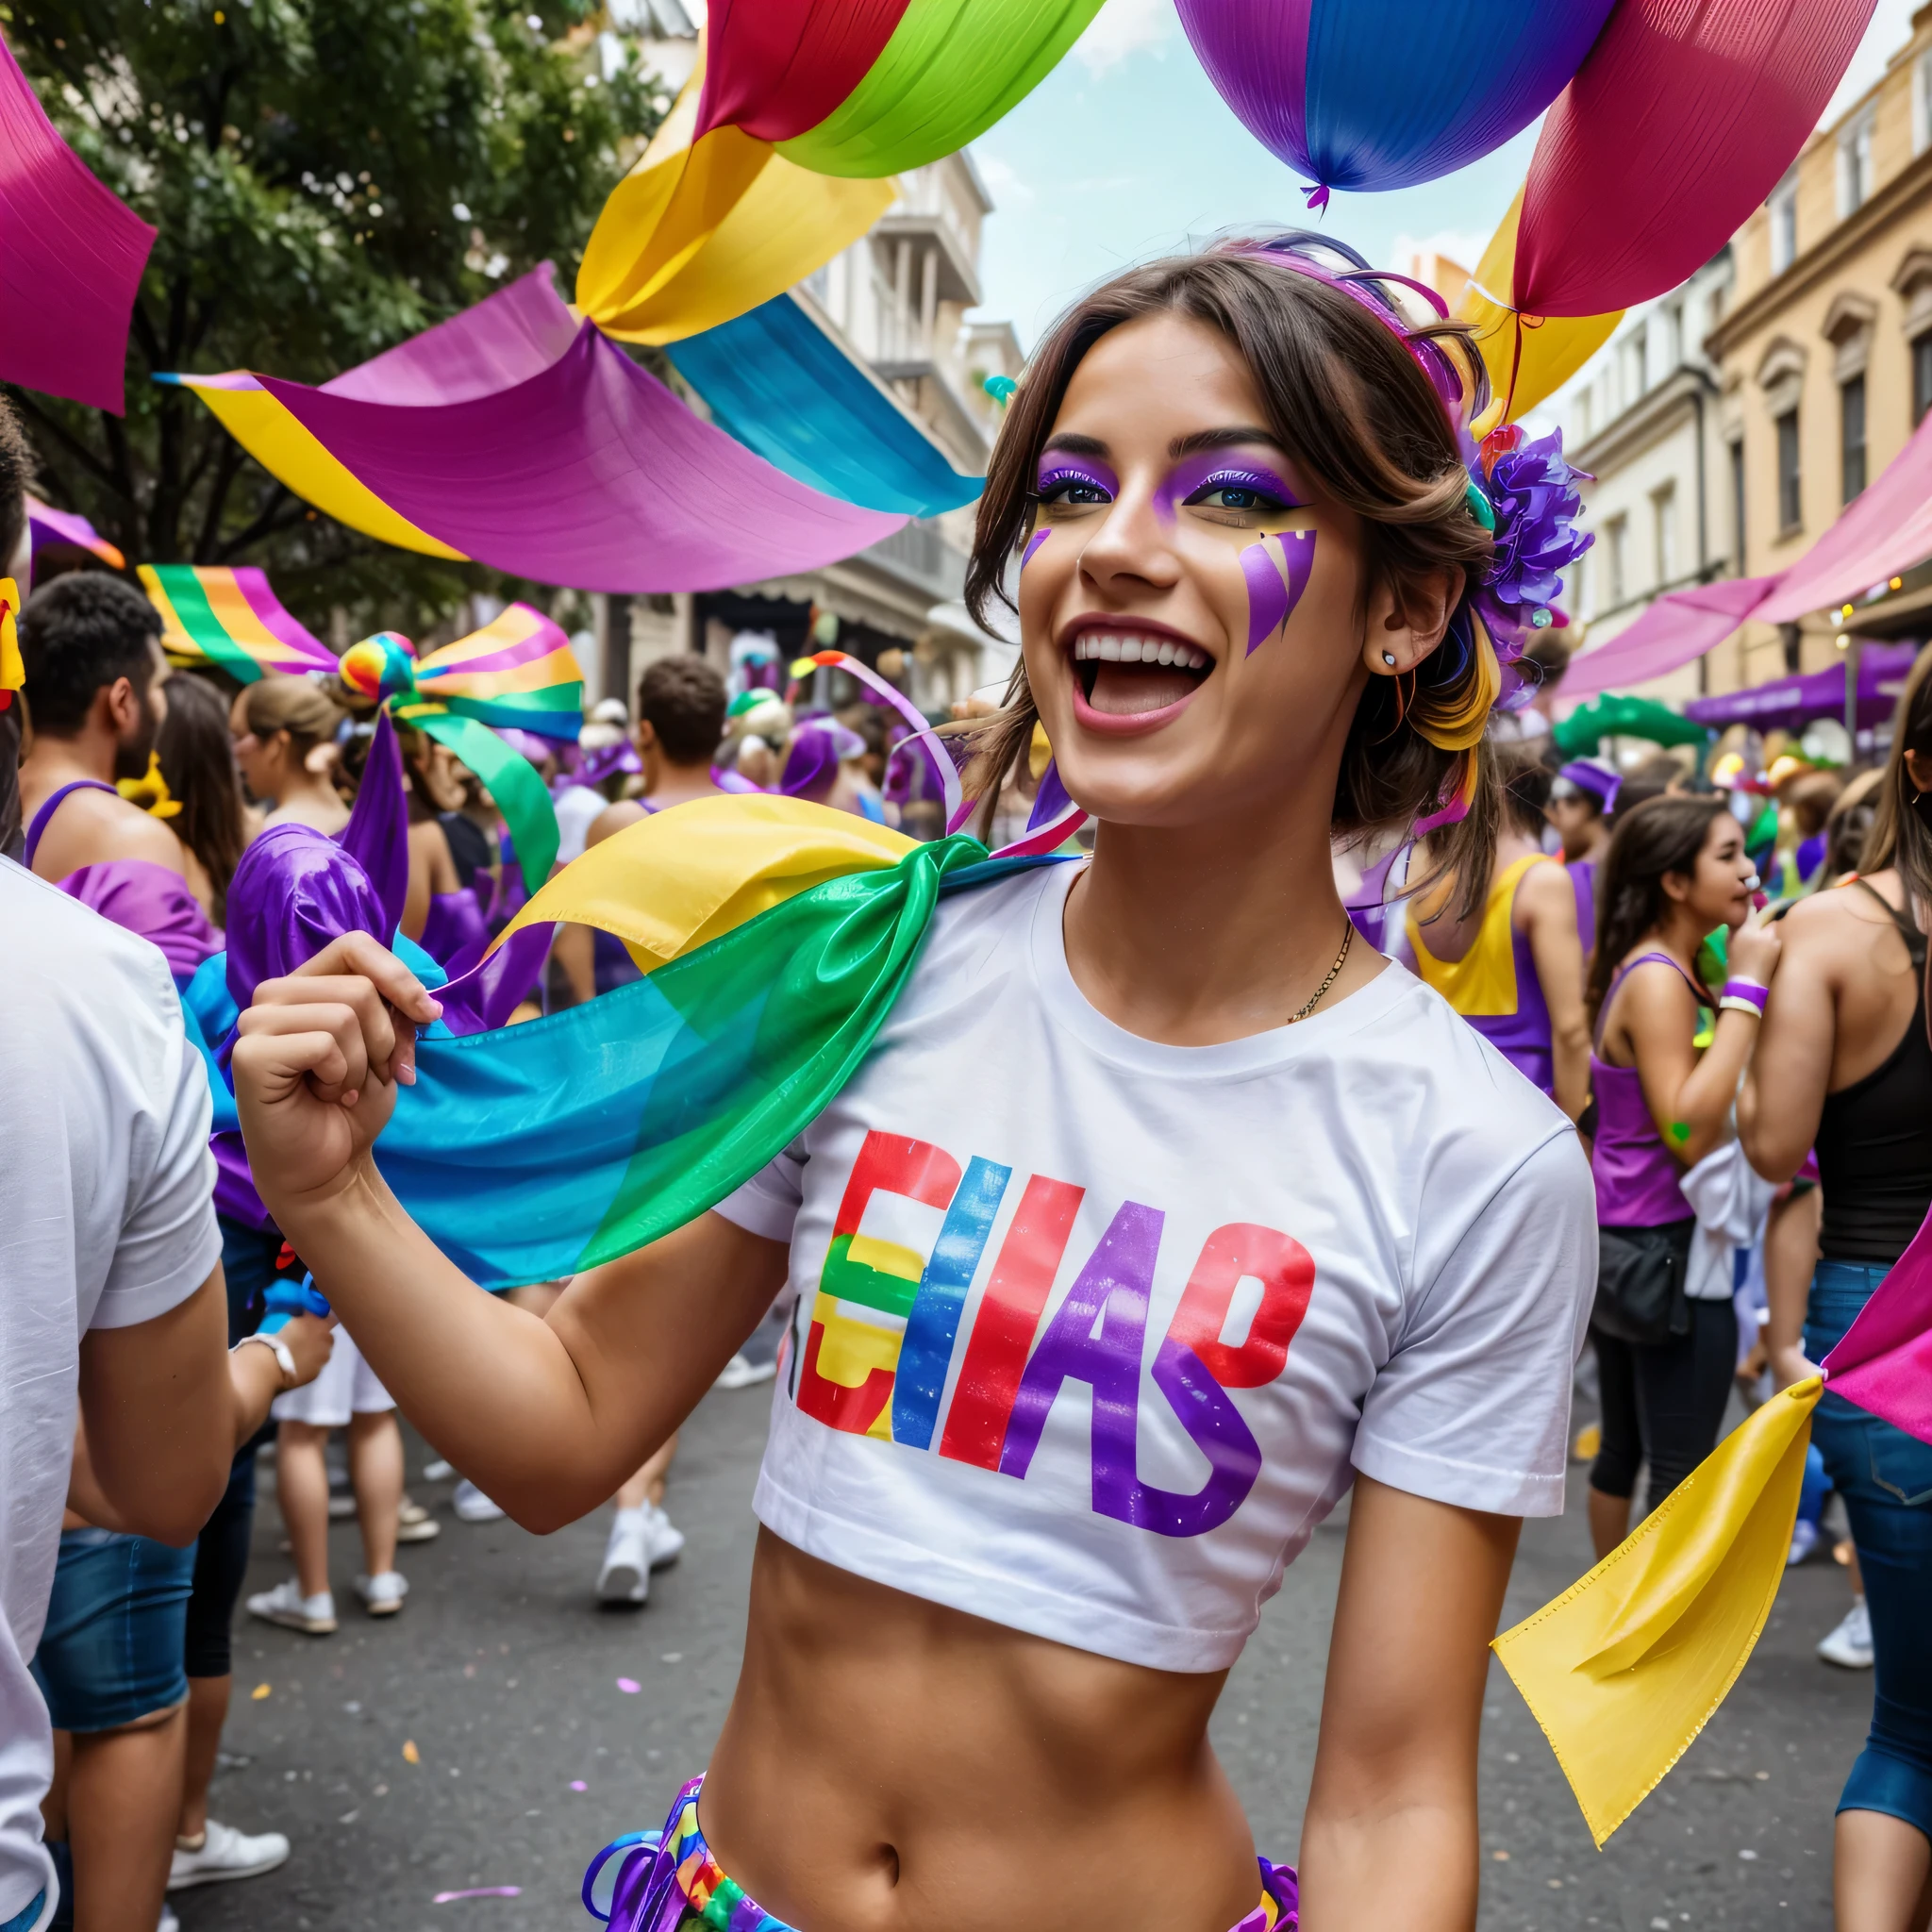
(1334, 972)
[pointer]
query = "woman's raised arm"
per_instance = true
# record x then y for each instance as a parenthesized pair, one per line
(546, 1416)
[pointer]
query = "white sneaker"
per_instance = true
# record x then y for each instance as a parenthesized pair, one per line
(414, 1523)
(285, 1605)
(438, 1471)
(472, 1506)
(382, 1597)
(625, 1577)
(1803, 1541)
(1850, 1645)
(167, 1921)
(740, 1372)
(664, 1537)
(226, 1853)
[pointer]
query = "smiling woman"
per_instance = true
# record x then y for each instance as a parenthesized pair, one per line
(1154, 1217)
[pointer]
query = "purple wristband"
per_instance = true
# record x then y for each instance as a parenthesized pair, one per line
(1748, 990)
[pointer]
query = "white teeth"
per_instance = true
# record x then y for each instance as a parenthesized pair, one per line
(1112, 648)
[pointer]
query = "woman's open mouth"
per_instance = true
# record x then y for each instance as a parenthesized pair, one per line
(1132, 673)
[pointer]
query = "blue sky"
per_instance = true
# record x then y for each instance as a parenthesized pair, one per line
(1126, 151)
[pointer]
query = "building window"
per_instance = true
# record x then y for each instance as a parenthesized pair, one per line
(1633, 366)
(1579, 604)
(1616, 532)
(1783, 207)
(1738, 506)
(1663, 524)
(1790, 507)
(1855, 165)
(1674, 337)
(1851, 443)
(1921, 376)
(1921, 102)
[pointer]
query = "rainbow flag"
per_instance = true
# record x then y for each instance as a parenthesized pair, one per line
(232, 620)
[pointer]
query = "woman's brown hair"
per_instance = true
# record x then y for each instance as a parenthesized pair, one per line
(1662, 835)
(1349, 403)
(1899, 837)
(197, 755)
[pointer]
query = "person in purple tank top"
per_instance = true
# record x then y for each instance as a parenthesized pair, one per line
(95, 699)
(1675, 871)
(1582, 797)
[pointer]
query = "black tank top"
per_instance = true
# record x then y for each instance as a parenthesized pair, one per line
(1874, 1140)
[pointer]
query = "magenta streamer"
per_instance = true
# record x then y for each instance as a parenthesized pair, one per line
(71, 263)
(1884, 1360)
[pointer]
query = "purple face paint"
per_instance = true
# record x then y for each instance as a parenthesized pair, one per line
(1277, 569)
(1033, 544)
(1216, 467)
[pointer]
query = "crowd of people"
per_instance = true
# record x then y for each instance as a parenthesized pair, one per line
(1686, 1127)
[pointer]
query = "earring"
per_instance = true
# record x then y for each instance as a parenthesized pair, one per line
(1389, 659)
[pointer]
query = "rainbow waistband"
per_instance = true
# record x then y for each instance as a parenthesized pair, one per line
(669, 1879)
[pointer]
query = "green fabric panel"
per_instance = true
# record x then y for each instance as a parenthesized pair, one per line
(512, 781)
(951, 70)
(775, 1017)
(1590, 723)
(191, 604)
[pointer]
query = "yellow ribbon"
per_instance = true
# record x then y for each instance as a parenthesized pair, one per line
(150, 790)
(12, 667)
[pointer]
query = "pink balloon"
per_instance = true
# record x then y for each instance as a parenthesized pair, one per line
(1680, 121)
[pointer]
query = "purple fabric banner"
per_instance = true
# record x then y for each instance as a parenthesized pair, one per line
(1790, 703)
(377, 834)
(71, 261)
(590, 472)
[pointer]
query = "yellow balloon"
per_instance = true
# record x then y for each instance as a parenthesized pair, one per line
(1528, 356)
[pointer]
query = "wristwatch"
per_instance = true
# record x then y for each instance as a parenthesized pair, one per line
(291, 1373)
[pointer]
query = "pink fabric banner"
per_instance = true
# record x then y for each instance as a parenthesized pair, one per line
(1674, 630)
(590, 472)
(1883, 531)
(1680, 122)
(72, 253)
(1884, 1363)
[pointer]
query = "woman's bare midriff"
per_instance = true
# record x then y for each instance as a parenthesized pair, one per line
(890, 1764)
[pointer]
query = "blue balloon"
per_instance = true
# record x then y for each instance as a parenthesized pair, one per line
(1385, 93)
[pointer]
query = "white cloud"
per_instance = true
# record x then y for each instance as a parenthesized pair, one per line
(1123, 27)
(1008, 188)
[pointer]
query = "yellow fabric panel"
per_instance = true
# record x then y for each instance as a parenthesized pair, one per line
(290, 454)
(791, 222)
(1626, 1666)
(1482, 984)
(680, 878)
(1529, 363)
(541, 674)
(179, 647)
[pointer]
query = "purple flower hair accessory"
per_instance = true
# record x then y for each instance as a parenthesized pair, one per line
(1532, 491)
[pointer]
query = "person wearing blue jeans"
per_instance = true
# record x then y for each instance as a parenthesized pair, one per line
(1844, 1063)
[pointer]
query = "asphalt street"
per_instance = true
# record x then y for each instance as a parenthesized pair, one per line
(503, 1727)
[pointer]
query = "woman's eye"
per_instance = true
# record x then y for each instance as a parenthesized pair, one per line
(1074, 489)
(1249, 497)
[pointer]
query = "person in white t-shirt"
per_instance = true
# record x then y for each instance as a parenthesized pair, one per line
(112, 1261)
(1157, 1216)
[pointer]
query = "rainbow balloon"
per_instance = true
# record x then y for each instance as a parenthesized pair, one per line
(229, 618)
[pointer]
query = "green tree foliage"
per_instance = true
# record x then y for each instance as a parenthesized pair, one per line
(328, 177)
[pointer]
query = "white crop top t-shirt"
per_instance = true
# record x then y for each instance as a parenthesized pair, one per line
(1091, 1332)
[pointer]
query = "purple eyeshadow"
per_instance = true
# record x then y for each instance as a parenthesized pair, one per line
(1213, 466)
(1056, 468)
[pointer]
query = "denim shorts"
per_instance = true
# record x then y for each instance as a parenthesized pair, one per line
(111, 1651)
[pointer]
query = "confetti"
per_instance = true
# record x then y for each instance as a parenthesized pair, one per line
(260, 1691)
(445, 1898)
(629, 1686)
(410, 1753)
(577, 1783)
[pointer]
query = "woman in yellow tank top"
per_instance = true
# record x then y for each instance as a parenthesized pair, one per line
(1514, 970)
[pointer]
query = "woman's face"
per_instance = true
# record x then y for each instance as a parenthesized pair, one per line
(1720, 889)
(264, 764)
(1192, 609)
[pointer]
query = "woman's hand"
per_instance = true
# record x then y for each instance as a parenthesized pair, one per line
(316, 1066)
(310, 1340)
(1790, 1366)
(1754, 950)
